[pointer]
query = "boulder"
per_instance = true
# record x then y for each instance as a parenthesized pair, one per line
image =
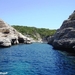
(64, 38)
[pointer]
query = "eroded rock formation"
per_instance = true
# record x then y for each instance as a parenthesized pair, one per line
(64, 38)
(10, 36)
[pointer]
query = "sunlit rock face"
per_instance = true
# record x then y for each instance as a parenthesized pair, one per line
(9, 36)
(64, 38)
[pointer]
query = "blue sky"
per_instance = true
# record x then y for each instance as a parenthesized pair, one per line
(37, 13)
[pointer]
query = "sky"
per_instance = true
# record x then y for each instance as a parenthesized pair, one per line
(36, 13)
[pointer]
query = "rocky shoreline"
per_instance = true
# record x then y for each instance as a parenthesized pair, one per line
(10, 36)
(64, 38)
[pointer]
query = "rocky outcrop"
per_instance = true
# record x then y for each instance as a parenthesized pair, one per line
(10, 36)
(36, 38)
(64, 38)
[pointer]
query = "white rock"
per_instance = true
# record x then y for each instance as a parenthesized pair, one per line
(10, 36)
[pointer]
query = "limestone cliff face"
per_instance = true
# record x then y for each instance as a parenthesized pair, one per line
(64, 38)
(9, 36)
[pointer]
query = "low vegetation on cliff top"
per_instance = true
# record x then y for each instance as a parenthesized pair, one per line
(32, 31)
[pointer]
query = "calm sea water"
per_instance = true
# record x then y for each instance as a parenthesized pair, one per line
(35, 59)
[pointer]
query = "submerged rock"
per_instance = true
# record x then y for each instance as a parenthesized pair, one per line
(10, 36)
(64, 38)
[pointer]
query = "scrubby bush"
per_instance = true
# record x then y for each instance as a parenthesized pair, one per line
(33, 31)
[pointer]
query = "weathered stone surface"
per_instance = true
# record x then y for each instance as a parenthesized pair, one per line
(64, 38)
(9, 36)
(4, 42)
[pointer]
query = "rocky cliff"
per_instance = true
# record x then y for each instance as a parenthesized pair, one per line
(64, 38)
(10, 36)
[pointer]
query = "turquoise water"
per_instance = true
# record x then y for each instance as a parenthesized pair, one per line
(35, 59)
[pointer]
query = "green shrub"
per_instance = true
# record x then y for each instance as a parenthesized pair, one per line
(33, 31)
